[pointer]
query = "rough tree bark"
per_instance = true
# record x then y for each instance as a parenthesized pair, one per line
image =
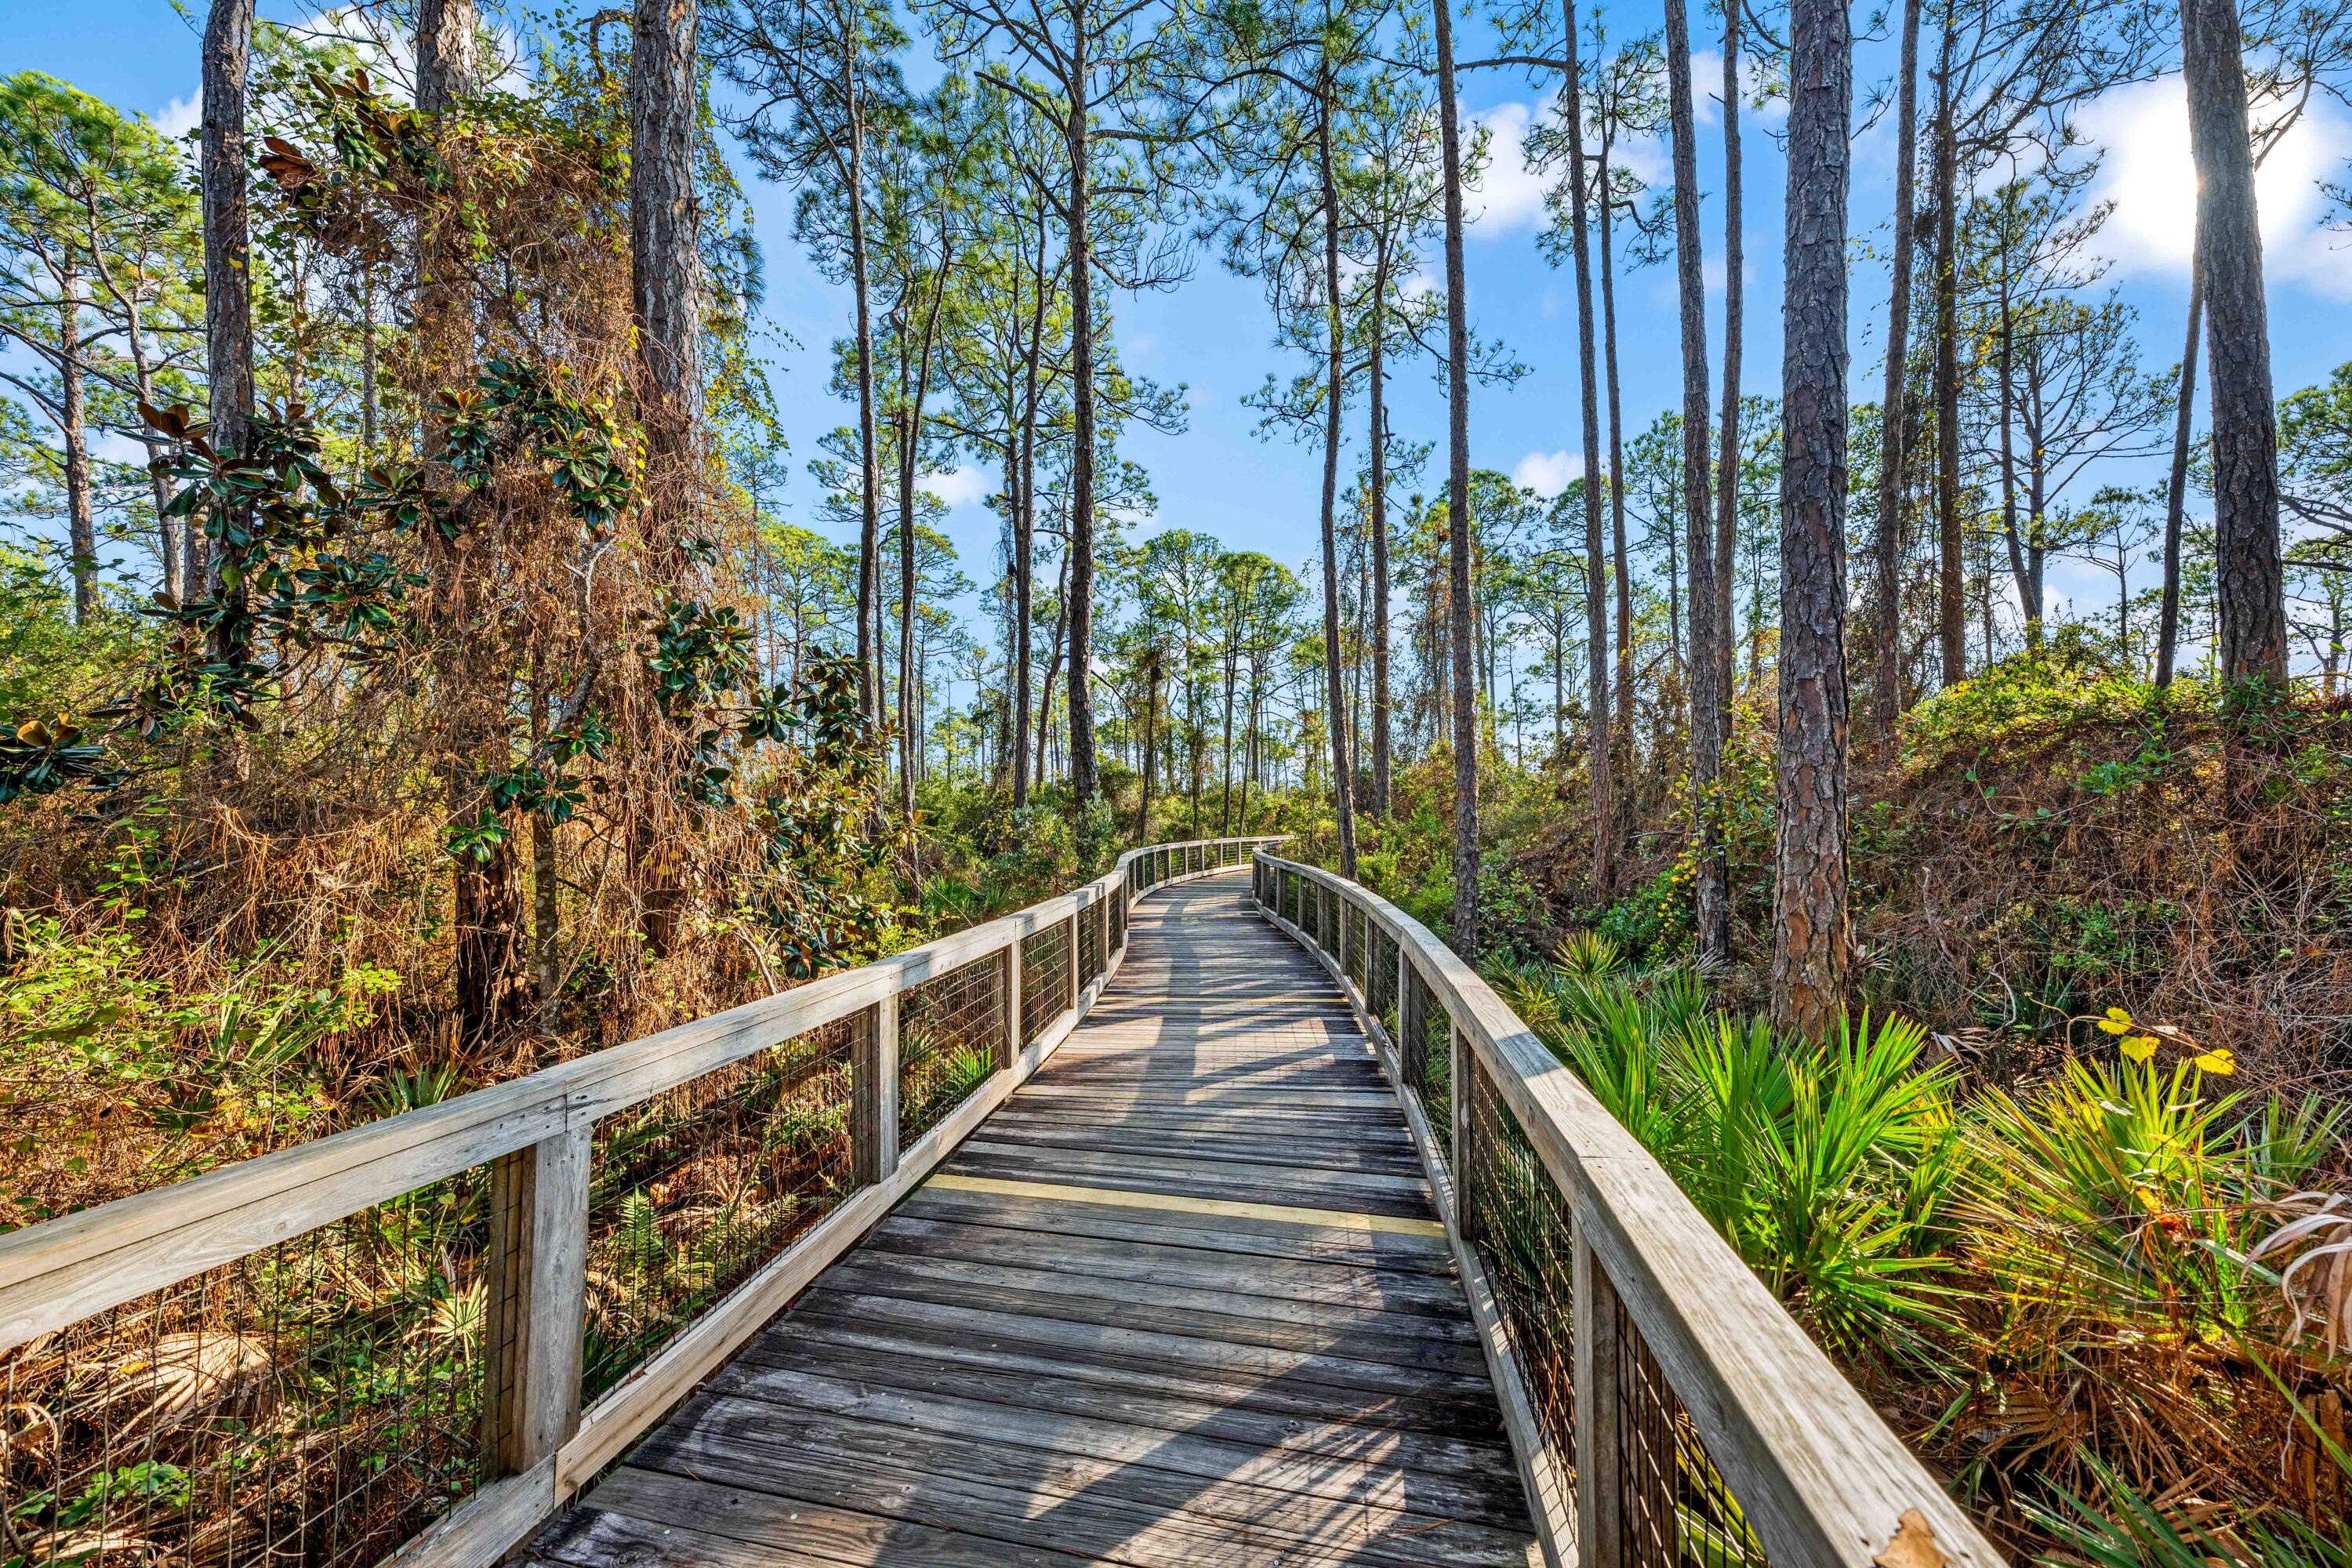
(665, 283)
(1707, 633)
(1458, 520)
(2251, 640)
(228, 282)
(1809, 943)
(1887, 591)
(1602, 741)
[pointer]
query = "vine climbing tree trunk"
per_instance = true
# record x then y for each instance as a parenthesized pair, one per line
(666, 286)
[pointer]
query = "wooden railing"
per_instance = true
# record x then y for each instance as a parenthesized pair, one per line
(1665, 1408)
(421, 1335)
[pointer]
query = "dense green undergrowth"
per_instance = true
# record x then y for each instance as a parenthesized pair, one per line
(2087, 1298)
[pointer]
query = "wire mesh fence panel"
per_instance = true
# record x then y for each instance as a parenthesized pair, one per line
(691, 1191)
(1358, 931)
(1522, 1226)
(1118, 926)
(314, 1403)
(1379, 979)
(951, 1038)
(1090, 945)
(1428, 1052)
(1045, 977)
(1676, 1507)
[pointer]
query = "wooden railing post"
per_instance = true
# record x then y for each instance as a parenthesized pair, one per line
(1600, 1413)
(874, 1098)
(1412, 1029)
(1076, 981)
(1462, 1069)
(534, 1278)
(1013, 1040)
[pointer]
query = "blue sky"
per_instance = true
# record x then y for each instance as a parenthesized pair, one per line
(1212, 333)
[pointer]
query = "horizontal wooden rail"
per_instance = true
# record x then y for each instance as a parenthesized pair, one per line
(1816, 1473)
(533, 1133)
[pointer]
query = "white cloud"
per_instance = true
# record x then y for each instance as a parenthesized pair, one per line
(1509, 196)
(2151, 179)
(1706, 89)
(965, 486)
(1548, 473)
(179, 116)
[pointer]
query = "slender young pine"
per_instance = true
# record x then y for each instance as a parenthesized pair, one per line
(1457, 508)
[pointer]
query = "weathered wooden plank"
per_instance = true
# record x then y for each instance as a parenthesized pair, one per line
(1236, 1234)
(740, 1410)
(985, 1340)
(909, 1370)
(1120, 1513)
(1333, 1288)
(1338, 1368)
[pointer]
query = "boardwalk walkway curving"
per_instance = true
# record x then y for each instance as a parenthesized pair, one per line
(1184, 1300)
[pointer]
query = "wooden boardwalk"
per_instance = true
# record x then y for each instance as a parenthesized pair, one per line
(1183, 1301)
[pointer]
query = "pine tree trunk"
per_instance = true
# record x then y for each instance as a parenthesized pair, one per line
(82, 515)
(2251, 640)
(1809, 943)
(1458, 520)
(1707, 633)
(1887, 591)
(1085, 783)
(1624, 709)
(1054, 661)
(664, 271)
(1335, 328)
(870, 455)
(1727, 466)
(2176, 493)
(1378, 444)
(1602, 741)
(445, 69)
(1951, 571)
(228, 283)
(1024, 534)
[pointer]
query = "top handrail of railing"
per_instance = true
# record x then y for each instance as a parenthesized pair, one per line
(62, 1270)
(1820, 1474)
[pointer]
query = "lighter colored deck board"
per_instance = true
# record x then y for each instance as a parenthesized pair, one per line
(1181, 1301)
